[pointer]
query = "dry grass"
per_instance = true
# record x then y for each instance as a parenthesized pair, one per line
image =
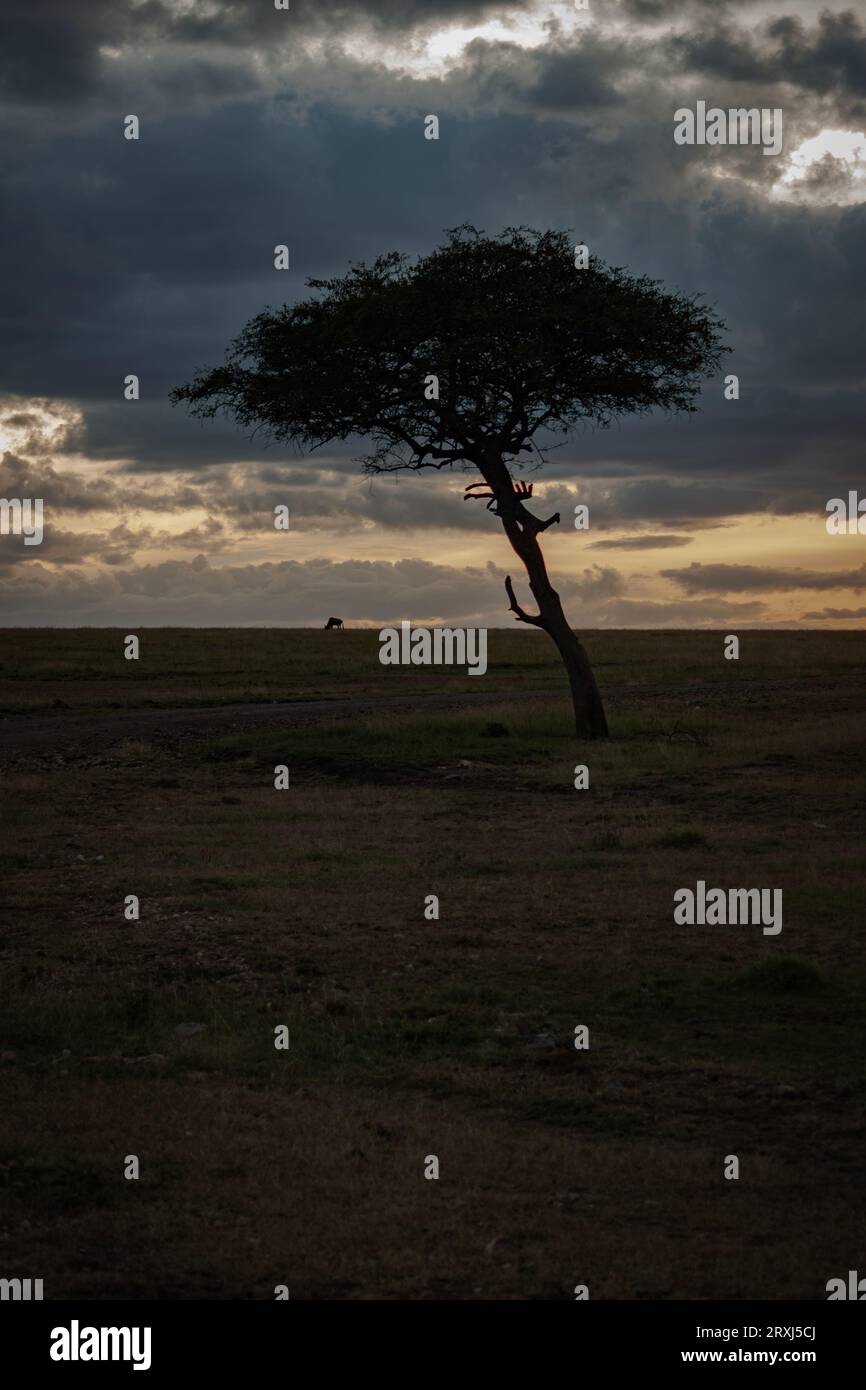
(451, 1037)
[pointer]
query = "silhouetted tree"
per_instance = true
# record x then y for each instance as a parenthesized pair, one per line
(523, 345)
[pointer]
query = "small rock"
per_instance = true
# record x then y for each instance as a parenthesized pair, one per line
(187, 1030)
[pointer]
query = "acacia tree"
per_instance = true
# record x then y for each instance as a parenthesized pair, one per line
(474, 356)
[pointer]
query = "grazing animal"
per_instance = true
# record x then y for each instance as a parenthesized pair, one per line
(334, 622)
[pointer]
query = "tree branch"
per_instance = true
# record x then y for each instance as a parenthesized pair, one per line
(519, 613)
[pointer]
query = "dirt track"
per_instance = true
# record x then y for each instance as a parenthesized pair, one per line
(21, 733)
(44, 733)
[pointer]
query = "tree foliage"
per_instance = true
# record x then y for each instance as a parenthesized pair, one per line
(524, 346)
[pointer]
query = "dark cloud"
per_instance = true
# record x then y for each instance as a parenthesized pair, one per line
(70, 491)
(53, 52)
(59, 547)
(830, 56)
(664, 11)
(50, 51)
(157, 253)
(245, 21)
(629, 612)
(830, 613)
(296, 594)
(287, 593)
(642, 543)
(736, 579)
(827, 56)
(114, 546)
(149, 257)
(584, 78)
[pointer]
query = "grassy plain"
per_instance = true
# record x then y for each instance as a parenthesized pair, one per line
(411, 1037)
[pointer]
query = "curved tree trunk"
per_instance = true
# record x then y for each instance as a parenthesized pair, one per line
(522, 530)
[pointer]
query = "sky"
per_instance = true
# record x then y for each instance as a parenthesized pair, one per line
(305, 126)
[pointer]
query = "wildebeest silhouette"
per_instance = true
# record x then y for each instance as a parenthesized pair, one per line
(333, 622)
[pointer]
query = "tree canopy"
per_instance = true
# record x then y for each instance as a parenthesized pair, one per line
(523, 345)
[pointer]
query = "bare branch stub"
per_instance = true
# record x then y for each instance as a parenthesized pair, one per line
(488, 497)
(520, 614)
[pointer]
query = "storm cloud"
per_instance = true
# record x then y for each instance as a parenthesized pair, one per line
(305, 126)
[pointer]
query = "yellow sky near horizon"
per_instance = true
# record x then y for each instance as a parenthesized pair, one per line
(114, 524)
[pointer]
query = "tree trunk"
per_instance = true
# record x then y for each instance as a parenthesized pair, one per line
(522, 529)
